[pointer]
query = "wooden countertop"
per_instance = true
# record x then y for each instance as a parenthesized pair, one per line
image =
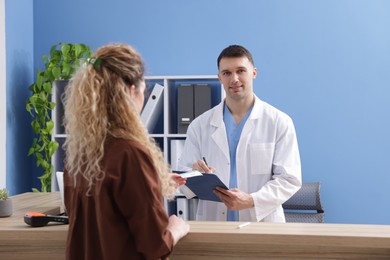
(284, 241)
(21, 241)
(206, 240)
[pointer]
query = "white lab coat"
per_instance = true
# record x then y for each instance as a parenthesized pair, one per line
(268, 161)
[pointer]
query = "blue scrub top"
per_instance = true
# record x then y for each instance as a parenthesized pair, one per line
(233, 132)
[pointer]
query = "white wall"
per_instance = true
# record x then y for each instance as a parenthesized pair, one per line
(2, 96)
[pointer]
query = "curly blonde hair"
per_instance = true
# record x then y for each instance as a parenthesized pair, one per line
(98, 105)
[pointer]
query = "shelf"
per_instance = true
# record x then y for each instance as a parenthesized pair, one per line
(59, 136)
(176, 135)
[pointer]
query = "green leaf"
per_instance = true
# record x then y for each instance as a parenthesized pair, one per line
(52, 105)
(56, 72)
(47, 87)
(44, 164)
(42, 98)
(44, 188)
(49, 126)
(30, 151)
(28, 108)
(48, 74)
(39, 81)
(34, 98)
(66, 70)
(53, 146)
(65, 48)
(56, 59)
(39, 156)
(35, 126)
(79, 49)
(34, 101)
(41, 148)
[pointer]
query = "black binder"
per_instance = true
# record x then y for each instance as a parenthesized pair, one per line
(192, 101)
(185, 107)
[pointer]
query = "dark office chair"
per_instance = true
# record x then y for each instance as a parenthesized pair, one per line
(305, 205)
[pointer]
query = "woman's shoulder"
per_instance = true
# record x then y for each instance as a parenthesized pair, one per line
(120, 146)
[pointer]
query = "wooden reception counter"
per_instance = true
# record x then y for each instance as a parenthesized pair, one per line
(20, 241)
(206, 240)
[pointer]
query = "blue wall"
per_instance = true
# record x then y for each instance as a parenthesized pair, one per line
(325, 63)
(20, 74)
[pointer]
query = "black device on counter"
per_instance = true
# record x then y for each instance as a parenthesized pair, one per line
(36, 219)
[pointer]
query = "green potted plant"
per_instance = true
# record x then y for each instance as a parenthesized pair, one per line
(63, 61)
(5, 204)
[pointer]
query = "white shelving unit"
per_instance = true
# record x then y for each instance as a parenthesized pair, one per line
(166, 127)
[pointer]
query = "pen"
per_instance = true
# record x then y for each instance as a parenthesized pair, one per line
(204, 159)
(243, 225)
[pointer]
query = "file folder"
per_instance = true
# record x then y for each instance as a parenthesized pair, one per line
(153, 108)
(192, 208)
(182, 207)
(177, 146)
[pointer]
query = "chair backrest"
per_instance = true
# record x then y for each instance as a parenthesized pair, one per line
(305, 205)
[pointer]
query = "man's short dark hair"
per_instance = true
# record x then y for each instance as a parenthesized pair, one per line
(235, 51)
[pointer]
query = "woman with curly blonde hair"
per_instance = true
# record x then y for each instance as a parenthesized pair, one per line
(115, 176)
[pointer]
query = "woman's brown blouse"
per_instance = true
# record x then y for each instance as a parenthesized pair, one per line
(124, 218)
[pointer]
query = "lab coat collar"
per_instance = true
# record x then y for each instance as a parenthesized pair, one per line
(257, 108)
(217, 117)
(219, 135)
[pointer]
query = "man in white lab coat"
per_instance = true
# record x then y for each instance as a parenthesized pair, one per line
(249, 144)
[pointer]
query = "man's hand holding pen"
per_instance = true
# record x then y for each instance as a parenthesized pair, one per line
(202, 166)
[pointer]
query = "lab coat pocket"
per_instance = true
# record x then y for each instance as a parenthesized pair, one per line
(261, 156)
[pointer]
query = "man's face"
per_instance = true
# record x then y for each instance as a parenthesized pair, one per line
(237, 74)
